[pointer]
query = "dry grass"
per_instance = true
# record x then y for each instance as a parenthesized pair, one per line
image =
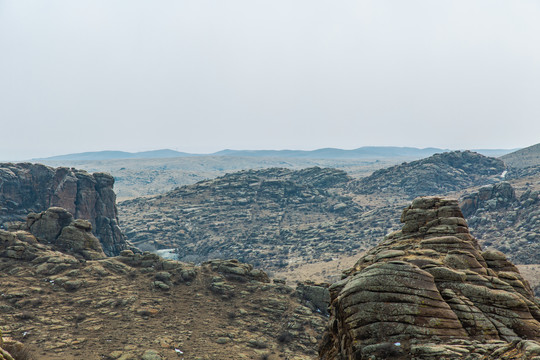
(531, 273)
(320, 271)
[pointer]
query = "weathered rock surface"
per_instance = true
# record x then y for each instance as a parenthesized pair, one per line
(29, 187)
(54, 227)
(428, 292)
(505, 221)
(11, 349)
(315, 296)
(437, 174)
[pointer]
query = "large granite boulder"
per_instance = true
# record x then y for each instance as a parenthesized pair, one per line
(428, 291)
(34, 188)
(56, 226)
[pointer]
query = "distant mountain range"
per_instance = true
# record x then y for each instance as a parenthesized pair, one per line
(367, 152)
(110, 155)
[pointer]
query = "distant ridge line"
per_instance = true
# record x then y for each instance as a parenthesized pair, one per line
(365, 152)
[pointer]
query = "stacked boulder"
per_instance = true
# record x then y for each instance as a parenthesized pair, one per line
(55, 227)
(29, 187)
(427, 292)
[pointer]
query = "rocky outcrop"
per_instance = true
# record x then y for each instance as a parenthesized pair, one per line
(263, 217)
(29, 187)
(505, 221)
(491, 197)
(428, 291)
(437, 174)
(54, 227)
(315, 296)
(4, 354)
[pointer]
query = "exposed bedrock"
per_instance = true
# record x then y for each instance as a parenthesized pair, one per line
(430, 284)
(34, 188)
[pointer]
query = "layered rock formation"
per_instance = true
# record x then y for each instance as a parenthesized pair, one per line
(428, 292)
(437, 174)
(29, 187)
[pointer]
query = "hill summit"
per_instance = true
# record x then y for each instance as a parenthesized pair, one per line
(437, 174)
(429, 292)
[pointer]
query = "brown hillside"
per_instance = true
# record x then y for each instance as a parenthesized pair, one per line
(140, 306)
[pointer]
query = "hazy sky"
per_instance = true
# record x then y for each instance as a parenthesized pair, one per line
(200, 76)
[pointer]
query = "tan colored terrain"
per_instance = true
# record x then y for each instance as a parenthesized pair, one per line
(81, 305)
(319, 271)
(532, 274)
(142, 177)
(119, 313)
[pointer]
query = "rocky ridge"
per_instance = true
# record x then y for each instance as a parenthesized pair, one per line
(66, 305)
(266, 217)
(437, 174)
(34, 188)
(279, 218)
(429, 292)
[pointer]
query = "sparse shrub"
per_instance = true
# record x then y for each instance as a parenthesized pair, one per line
(285, 337)
(232, 315)
(25, 315)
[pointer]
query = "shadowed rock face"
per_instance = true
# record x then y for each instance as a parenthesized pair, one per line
(29, 187)
(426, 288)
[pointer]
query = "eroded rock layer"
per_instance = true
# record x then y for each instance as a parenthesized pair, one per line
(29, 187)
(429, 291)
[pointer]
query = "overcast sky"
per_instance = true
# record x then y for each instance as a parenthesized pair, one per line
(201, 76)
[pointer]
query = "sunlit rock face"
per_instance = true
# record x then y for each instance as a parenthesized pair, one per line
(429, 291)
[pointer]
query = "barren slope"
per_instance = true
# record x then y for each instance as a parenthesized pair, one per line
(123, 307)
